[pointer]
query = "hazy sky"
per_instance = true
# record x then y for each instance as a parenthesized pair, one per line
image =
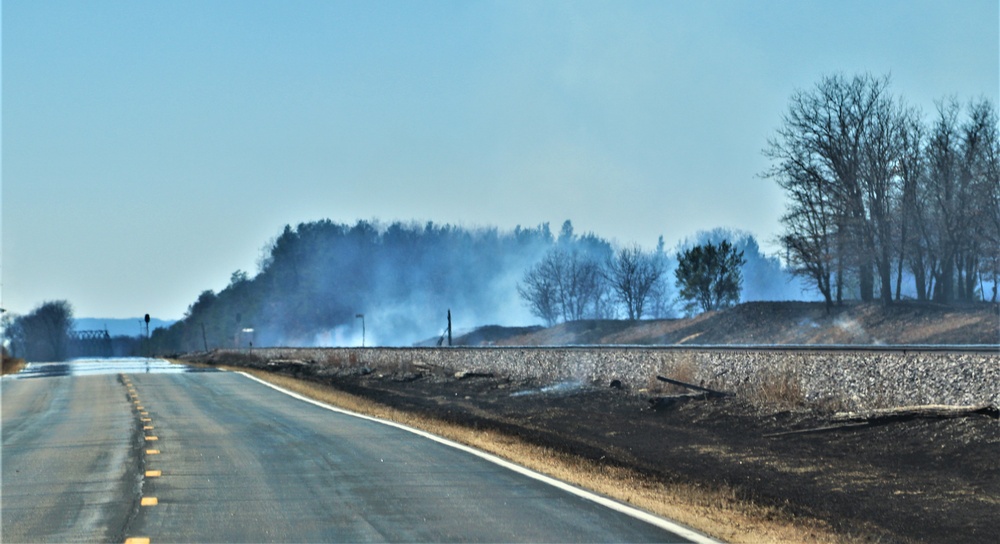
(152, 148)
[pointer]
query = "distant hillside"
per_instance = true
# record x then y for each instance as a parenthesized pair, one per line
(120, 327)
(778, 323)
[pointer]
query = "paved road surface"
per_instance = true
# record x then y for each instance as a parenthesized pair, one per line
(237, 461)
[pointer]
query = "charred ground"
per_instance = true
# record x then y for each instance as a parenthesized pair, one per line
(764, 323)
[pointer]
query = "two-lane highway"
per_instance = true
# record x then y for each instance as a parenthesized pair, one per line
(69, 465)
(218, 457)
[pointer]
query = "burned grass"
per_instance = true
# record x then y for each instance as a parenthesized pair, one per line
(717, 510)
(710, 464)
(776, 323)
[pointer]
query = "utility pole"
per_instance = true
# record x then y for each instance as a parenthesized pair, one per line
(449, 327)
(362, 318)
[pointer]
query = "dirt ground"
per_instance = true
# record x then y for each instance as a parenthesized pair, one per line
(910, 481)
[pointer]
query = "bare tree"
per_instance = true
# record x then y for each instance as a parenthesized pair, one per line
(565, 284)
(632, 273)
(837, 153)
(540, 291)
(944, 171)
(43, 335)
(870, 187)
(581, 285)
(915, 250)
(881, 154)
(978, 185)
(810, 220)
(989, 170)
(661, 301)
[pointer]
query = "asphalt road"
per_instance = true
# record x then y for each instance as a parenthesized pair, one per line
(218, 457)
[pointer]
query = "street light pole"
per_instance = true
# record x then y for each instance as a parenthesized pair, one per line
(362, 318)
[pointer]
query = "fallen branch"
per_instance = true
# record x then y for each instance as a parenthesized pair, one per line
(463, 374)
(856, 420)
(927, 411)
(710, 392)
(824, 429)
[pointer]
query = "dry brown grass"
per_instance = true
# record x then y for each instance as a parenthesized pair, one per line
(11, 365)
(779, 388)
(718, 512)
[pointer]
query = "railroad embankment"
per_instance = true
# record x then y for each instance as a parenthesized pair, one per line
(838, 379)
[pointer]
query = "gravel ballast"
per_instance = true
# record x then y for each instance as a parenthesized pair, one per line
(847, 379)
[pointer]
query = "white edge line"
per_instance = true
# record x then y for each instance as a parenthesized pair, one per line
(641, 515)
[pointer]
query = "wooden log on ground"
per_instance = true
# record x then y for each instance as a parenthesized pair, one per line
(844, 421)
(926, 411)
(463, 374)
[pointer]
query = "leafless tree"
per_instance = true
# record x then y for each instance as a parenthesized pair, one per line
(978, 185)
(810, 227)
(916, 251)
(581, 285)
(870, 187)
(985, 117)
(880, 182)
(43, 335)
(948, 197)
(539, 290)
(632, 273)
(565, 284)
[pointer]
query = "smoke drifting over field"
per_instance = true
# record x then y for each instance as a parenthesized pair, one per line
(332, 284)
(316, 280)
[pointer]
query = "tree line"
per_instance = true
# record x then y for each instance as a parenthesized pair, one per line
(316, 280)
(48, 334)
(42, 334)
(586, 278)
(876, 193)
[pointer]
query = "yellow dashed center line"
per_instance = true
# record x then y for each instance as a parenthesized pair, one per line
(144, 418)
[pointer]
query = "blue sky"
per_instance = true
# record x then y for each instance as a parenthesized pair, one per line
(152, 148)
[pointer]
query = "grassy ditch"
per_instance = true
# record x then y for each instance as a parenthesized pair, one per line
(717, 511)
